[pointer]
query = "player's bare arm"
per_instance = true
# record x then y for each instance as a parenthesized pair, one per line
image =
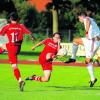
(38, 44)
(26, 31)
(87, 26)
(59, 46)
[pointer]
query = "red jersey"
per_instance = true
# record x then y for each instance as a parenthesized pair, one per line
(14, 32)
(50, 47)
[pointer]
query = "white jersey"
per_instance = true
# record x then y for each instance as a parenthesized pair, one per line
(93, 30)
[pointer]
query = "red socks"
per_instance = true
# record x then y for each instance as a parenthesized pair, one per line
(37, 78)
(17, 73)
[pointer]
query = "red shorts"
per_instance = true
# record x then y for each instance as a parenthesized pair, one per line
(13, 50)
(46, 65)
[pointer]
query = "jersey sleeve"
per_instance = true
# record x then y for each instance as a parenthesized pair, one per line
(25, 30)
(46, 41)
(3, 30)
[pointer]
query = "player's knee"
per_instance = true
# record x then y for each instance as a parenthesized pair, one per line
(88, 60)
(75, 41)
(14, 66)
(45, 79)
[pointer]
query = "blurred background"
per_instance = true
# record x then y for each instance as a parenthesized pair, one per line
(45, 17)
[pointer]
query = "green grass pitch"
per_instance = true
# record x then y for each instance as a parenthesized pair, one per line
(66, 83)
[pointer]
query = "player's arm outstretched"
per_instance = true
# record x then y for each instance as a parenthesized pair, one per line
(32, 37)
(26, 31)
(38, 44)
(87, 23)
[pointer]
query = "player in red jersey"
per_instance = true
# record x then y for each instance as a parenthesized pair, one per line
(52, 45)
(15, 32)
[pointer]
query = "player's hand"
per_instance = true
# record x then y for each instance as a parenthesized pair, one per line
(33, 48)
(59, 40)
(32, 37)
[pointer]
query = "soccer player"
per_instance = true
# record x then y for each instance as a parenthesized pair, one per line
(52, 45)
(15, 33)
(91, 43)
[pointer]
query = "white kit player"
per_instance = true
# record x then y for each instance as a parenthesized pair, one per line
(91, 44)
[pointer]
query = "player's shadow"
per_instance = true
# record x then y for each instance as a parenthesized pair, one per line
(63, 88)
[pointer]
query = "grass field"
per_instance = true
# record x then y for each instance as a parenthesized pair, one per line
(66, 83)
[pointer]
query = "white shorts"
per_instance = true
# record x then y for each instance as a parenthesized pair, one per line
(90, 47)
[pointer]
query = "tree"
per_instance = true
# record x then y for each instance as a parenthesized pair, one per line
(6, 7)
(61, 14)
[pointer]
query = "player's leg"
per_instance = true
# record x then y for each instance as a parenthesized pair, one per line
(90, 52)
(76, 42)
(13, 60)
(91, 71)
(18, 76)
(44, 78)
(16, 72)
(47, 69)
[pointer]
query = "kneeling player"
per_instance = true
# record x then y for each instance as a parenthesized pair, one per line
(52, 45)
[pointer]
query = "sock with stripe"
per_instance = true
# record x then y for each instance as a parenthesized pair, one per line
(37, 78)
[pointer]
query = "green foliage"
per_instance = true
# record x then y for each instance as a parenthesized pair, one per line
(80, 30)
(39, 37)
(22, 7)
(97, 17)
(3, 15)
(69, 16)
(67, 12)
(75, 1)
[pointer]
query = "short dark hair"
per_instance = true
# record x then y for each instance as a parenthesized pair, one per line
(58, 34)
(13, 16)
(82, 13)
